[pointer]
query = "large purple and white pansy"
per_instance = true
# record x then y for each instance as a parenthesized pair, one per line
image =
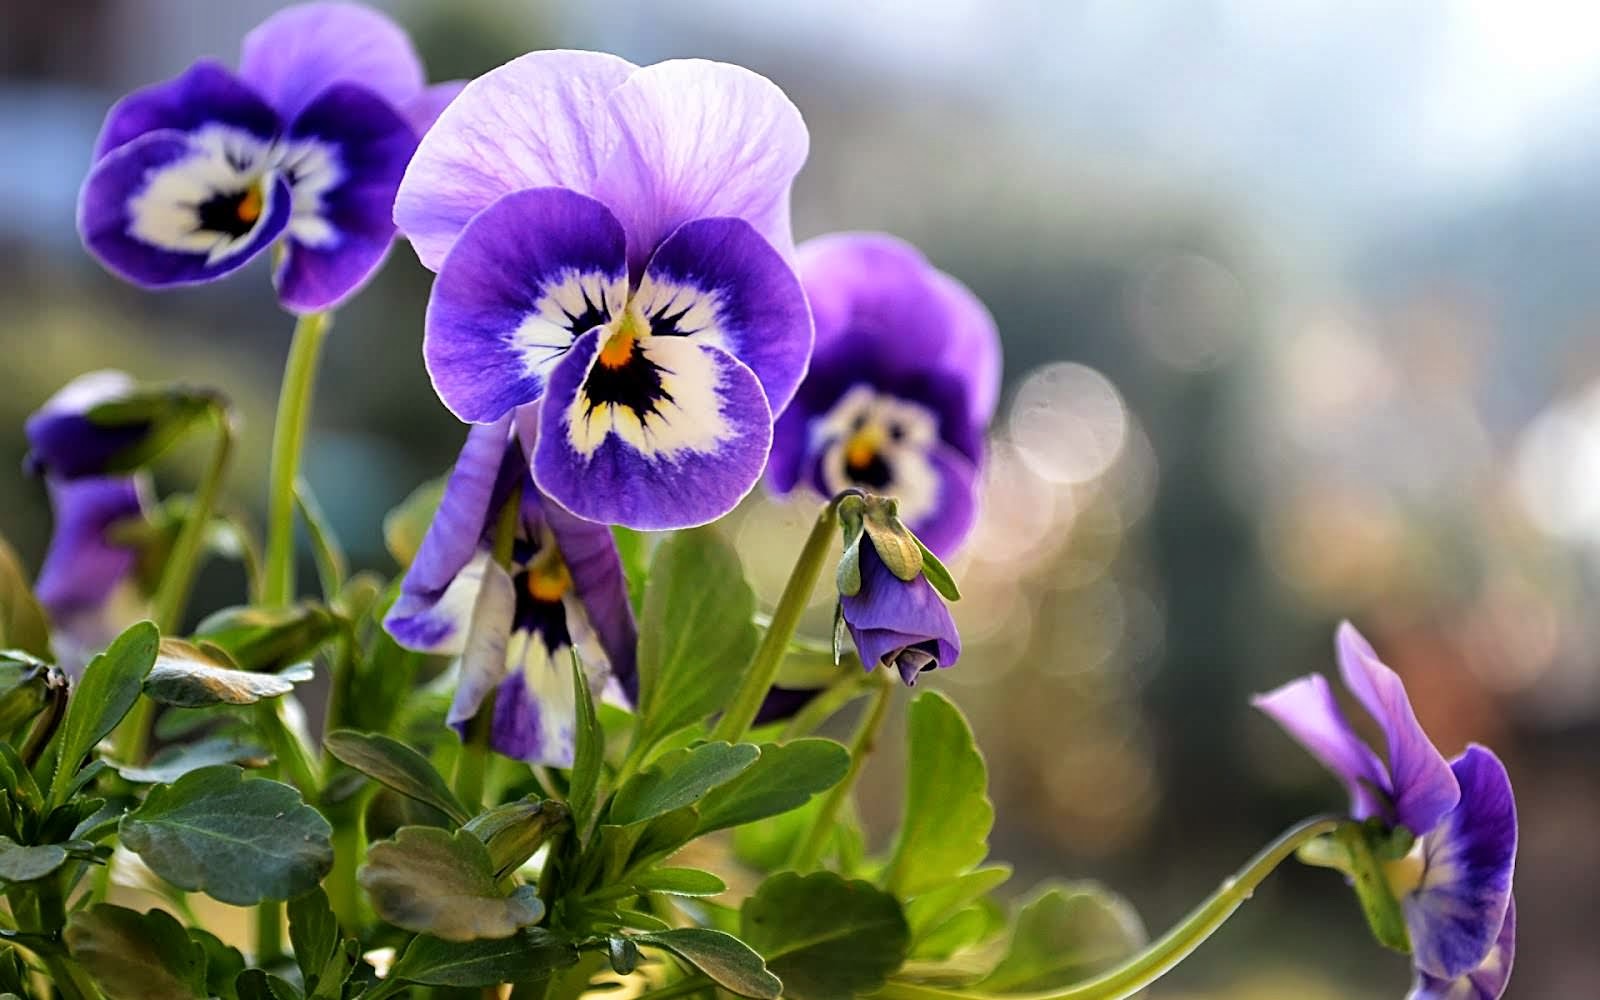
(614, 242)
(515, 629)
(1454, 887)
(303, 147)
(903, 381)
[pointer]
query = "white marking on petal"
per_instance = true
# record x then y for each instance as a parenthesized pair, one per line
(567, 308)
(222, 161)
(902, 433)
(484, 655)
(313, 170)
(691, 312)
(687, 415)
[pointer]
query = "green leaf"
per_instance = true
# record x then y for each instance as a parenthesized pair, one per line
(253, 984)
(269, 639)
(237, 841)
(680, 882)
(429, 881)
(223, 964)
(137, 956)
(938, 575)
(314, 933)
(894, 542)
(174, 762)
(514, 831)
(783, 778)
(405, 526)
(109, 687)
(623, 953)
(826, 938)
(332, 566)
(680, 778)
(160, 414)
(186, 676)
(633, 549)
(1064, 935)
(532, 954)
(972, 928)
(696, 635)
(396, 766)
(26, 864)
(727, 961)
(944, 831)
(27, 685)
(932, 908)
(588, 754)
(22, 622)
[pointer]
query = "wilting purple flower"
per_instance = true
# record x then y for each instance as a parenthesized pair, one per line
(515, 631)
(87, 585)
(903, 381)
(64, 443)
(898, 624)
(307, 142)
(615, 241)
(1455, 887)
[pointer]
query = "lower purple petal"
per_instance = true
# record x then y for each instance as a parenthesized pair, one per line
(1307, 711)
(590, 552)
(1486, 982)
(82, 566)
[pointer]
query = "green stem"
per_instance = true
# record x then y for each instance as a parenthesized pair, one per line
(269, 932)
(288, 438)
(828, 702)
(809, 851)
(1162, 955)
(763, 669)
(349, 852)
(474, 757)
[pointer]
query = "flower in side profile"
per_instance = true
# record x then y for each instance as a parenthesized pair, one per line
(615, 242)
(88, 584)
(1454, 884)
(305, 144)
(65, 443)
(904, 377)
(515, 627)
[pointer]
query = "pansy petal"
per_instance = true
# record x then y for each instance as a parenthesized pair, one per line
(1423, 786)
(946, 523)
(536, 710)
(293, 56)
(673, 439)
(171, 209)
(205, 94)
(880, 290)
(538, 121)
(483, 659)
(783, 703)
(717, 281)
(426, 106)
(530, 274)
(973, 350)
(590, 552)
(82, 566)
(343, 158)
(1456, 915)
(1486, 982)
(702, 139)
(1307, 711)
(899, 624)
(64, 443)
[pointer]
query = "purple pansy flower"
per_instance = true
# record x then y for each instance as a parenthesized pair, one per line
(615, 242)
(904, 378)
(63, 443)
(515, 631)
(898, 624)
(306, 142)
(88, 585)
(1454, 888)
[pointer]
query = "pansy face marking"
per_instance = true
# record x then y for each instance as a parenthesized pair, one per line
(878, 443)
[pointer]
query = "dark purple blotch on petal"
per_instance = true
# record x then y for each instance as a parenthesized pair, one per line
(897, 624)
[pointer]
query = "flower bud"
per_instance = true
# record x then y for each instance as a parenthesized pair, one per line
(103, 423)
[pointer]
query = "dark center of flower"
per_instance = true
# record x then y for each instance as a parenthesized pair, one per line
(864, 462)
(540, 588)
(232, 213)
(623, 375)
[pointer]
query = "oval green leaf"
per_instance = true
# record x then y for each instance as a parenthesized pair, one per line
(429, 881)
(826, 938)
(396, 766)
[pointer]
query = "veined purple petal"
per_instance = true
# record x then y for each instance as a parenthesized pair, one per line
(483, 659)
(536, 709)
(64, 443)
(701, 139)
(674, 438)
(590, 552)
(538, 121)
(421, 618)
(899, 625)
(717, 281)
(1424, 788)
(425, 108)
(1486, 982)
(1456, 916)
(82, 566)
(530, 274)
(1307, 711)
(343, 157)
(170, 208)
(877, 288)
(295, 55)
(205, 94)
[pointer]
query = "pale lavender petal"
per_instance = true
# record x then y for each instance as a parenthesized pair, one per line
(1456, 916)
(64, 443)
(718, 282)
(425, 108)
(530, 274)
(1423, 787)
(674, 439)
(899, 625)
(536, 709)
(1486, 982)
(702, 139)
(590, 552)
(1307, 711)
(205, 94)
(343, 158)
(483, 660)
(82, 566)
(293, 56)
(538, 121)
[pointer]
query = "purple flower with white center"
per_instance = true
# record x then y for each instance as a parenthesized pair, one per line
(515, 631)
(304, 146)
(898, 624)
(904, 378)
(63, 443)
(1454, 888)
(614, 241)
(88, 585)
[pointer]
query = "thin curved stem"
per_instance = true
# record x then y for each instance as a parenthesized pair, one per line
(809, 851)
(288, 440)
(1166, 952)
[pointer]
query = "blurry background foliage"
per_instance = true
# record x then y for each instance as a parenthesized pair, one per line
(1299, 309)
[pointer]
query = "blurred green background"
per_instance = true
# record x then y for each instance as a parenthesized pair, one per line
(1299, 311)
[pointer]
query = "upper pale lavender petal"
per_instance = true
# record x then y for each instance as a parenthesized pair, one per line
(83, 566)
(530, 274)
(297, 53)
(877, 288)
(1486, 982)
(428, 104)
(898, 624)
(204, 94)
(702, 139)
(974, 345)
(590, 552)
(64, 443)
(1423, 787)
(540, 120)
(1307, 711)
(1456, 915)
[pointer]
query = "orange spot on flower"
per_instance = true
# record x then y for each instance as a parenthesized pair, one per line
(619, 347)
(548, 578)
(249, 208)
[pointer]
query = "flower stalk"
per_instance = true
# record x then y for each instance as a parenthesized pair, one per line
(810, 850)
(288, 441)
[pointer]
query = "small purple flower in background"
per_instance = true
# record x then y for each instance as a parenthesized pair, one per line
(1454, 888)
(63, 443)
(904, 378)
(515, 631)
(88, 584)
(196, 176)
(615, 241)
(897, 624)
